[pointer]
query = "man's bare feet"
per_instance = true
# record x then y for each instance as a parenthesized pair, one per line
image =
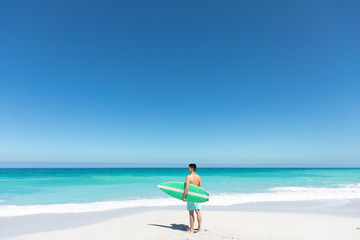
(199, 229)
(190, 231)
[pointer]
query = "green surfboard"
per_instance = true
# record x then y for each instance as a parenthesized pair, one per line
(176, 189)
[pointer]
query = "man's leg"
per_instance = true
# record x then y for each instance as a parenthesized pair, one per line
(198, 214)
(191, 214)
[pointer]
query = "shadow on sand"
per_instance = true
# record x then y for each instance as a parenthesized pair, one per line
(174, 226)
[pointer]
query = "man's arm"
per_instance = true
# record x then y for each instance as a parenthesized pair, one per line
(186, 190)
(200, 184)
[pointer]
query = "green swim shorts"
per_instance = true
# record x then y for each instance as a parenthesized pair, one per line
(192, 206)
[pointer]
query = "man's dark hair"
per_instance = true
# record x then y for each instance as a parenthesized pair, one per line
(193, 166)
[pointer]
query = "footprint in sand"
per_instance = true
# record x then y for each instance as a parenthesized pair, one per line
(204, 231)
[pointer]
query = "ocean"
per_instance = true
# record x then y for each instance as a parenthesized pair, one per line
(25, 191)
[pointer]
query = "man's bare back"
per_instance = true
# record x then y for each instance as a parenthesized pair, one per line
(194, 179)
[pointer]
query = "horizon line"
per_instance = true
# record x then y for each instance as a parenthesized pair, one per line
(39, 164)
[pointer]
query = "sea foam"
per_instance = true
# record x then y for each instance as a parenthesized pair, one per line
(290, 193)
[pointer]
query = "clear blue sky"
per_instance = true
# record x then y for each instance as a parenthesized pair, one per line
(216, 82)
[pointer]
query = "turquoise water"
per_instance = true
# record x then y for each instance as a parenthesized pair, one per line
(63, 186)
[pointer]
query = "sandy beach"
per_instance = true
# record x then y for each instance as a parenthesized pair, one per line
(162, 224)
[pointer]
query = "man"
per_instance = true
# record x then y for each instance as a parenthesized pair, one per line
(194, 179)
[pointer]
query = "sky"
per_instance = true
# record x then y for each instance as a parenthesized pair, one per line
(211, 82)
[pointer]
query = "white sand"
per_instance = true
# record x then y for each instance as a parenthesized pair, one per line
(161, 225)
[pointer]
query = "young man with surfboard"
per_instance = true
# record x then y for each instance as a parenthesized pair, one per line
(194, 179)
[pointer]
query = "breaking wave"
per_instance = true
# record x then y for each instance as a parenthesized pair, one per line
(344, 192)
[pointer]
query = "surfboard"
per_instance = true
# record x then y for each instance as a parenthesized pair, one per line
(176, 189)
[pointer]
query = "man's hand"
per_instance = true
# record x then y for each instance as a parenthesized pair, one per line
(183, 199)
